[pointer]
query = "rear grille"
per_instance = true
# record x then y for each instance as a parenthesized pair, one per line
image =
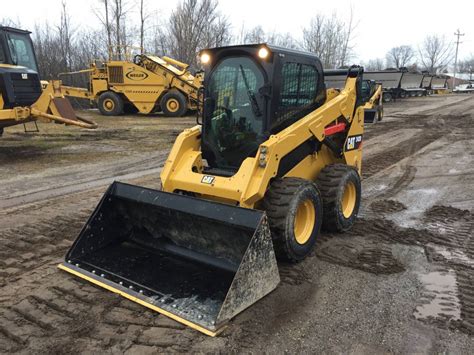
(26, 88)
(115, 75)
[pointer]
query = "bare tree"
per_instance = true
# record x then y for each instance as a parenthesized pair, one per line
(374, 64)
(107, 26)
(6, 21)
(193, 25)
(330, 39)
(65, 37)
(258, 35)
(144, 15)
(467, 65)
(254, 35)
(118, 13)
(399, 57)
(435, 53)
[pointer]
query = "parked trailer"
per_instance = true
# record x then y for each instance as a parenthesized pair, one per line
(390, 80)
(410, 84)
(439, 84)
(426, 83)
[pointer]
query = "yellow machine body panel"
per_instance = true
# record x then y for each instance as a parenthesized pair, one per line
(184, 166)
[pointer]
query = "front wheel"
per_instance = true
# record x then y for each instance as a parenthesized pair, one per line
(110, 104)
(294, 210)
(174, 104)
(341, 191)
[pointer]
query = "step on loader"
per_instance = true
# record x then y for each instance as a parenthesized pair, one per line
(276, 158)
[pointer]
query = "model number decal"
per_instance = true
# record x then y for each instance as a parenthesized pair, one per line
(207, 179)
(136, 75)
(353, 142)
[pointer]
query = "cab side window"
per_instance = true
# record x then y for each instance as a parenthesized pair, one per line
(299, 87)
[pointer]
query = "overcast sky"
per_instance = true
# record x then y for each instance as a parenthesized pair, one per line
(380, 26)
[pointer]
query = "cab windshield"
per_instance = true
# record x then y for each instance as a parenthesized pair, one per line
(234, 111)
(21, 50)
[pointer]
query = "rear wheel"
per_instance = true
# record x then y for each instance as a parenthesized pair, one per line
(294, 210)
(340, 190)
(174, 104)
(110, 104)
(387, 97)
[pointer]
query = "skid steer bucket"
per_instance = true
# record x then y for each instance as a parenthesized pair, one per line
(370, 115)
(196, 261)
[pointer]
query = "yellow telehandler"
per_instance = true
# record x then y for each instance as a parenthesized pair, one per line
(23, 97)
(277, 158)
(146, 84)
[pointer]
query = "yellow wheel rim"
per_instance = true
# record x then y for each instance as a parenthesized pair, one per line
(349, 199)
(172, 105)
(304, 221)
(109, 105)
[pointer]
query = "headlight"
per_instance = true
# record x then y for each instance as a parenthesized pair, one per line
(205, 58)
(263, 52)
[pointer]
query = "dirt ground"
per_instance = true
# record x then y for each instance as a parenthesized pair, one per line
(401, 281)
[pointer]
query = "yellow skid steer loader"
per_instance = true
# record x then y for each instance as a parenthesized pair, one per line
(276, 158)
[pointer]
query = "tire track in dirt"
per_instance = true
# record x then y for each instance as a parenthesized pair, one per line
(27, 247)
(61, 188)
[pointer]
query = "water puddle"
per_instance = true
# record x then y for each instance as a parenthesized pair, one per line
(440, 298)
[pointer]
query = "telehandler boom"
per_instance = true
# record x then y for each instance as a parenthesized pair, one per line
(277, 158)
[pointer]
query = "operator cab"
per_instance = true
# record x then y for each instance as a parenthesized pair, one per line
(16, 48)
(251, 92)
(19, 80)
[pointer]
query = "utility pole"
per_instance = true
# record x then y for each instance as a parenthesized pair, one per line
(459, 35)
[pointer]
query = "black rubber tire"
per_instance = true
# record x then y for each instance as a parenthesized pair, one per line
(380, 114)
(403, 94)
(281, 204)
(387, 97)
(332, 181)
(177, 96)
(117, 100)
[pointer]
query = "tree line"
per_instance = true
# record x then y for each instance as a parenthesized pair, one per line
(197, 24)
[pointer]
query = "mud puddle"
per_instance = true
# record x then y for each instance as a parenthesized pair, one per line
(440, 299)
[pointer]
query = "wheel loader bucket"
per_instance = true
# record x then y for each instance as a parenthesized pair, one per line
(196, 261)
